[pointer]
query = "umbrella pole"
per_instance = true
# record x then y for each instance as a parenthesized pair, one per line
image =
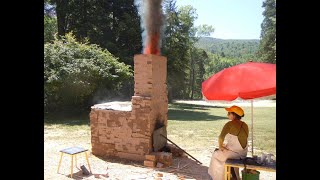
(252, 127)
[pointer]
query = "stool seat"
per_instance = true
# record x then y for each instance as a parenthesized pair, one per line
(73, 151)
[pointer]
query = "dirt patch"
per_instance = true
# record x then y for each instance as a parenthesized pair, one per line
(110, 168)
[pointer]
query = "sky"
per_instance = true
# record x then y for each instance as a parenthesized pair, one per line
(231, 19)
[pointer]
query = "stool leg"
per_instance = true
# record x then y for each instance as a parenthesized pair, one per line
(60, 162)
(236, 171)
(71, 165)
(88, 161)
(229, 172)
(225, 172)
(75, 156)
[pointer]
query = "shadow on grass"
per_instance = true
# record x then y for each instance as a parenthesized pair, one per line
(185, 115)
(187, 168)
(67, 119)
(181, 112)
(191, 106)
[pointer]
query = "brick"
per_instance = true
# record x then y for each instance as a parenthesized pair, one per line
(131, 156)
(150, 157)
(121, 147)
(164, 157)
(159, 175)
(103, 149)
(93, 116)
(138, 135)
(102, 139)
(149, 163)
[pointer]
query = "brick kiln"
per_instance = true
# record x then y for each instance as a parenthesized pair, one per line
(125, 129)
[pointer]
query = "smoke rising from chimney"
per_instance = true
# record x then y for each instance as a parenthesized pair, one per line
(151, 22)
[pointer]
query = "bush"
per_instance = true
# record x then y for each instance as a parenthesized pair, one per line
(74, 71)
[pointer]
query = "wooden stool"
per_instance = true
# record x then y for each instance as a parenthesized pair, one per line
(73, 151)
(238, 163)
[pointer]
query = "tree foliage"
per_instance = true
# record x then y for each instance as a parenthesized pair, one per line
(112, 24)
(204, 30)
(186, 63)
(177, 42)
(74, 72)
(267, 48)
(197, 72)
(231, 48)
(50, 22)
(50, 28)
(216, 63)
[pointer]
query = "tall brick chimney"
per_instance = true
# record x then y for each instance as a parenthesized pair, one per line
(128, 133)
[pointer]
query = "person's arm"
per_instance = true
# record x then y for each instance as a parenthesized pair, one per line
(223, 133)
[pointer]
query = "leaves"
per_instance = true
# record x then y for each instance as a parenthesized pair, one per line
(73, 71)
(267, 48)
(204, 30)
(50, 28)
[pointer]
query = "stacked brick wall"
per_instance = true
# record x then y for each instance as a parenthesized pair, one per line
(128, 134)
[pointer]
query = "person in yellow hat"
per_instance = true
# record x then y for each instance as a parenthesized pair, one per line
(235, 133)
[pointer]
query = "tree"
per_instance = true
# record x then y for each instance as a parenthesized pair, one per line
(239, 49)
(50, 28)
(112, 24)
(74, 72)
(197, 61)
(197, 66)
(204, 30)
(186, 67)
(267, 48)
(50, 22)
(179, 37)
(62, 8)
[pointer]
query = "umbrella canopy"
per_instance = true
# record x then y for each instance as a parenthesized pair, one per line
(248, 81)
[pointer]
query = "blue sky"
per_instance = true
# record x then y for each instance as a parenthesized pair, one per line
(232, 19)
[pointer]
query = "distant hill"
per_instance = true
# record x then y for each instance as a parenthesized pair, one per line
(237, 48)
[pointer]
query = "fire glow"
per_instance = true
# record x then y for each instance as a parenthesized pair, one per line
(152, 45)
(151, 23)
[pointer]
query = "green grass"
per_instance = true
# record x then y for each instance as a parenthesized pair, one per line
(198, 127)
(192, 127)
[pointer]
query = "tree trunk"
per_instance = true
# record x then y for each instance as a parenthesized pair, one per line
(61, 6)
(192, 75)
(192, 85)
(85, 20)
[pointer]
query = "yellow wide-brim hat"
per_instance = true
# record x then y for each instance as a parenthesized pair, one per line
(236, 109)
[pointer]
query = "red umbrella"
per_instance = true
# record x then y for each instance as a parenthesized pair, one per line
(246, 81)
